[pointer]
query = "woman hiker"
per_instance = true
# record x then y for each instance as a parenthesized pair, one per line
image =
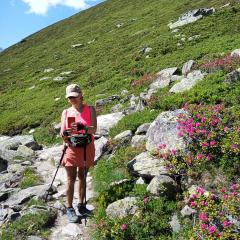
(78, 118)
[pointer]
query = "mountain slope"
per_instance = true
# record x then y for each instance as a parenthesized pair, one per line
(105, 62)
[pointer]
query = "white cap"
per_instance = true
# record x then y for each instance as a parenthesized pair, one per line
(73, 90)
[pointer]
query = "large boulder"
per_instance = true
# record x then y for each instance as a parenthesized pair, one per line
(235, 53)
(122, 208)
(142, 129)
(233, 77)
(10, 145)
(105, 122)
(163, 130)
(163, 185)
(146, 166)
(187, 67)
(163, 80)
(188, 82)
(25, 194)
(191, 16)
(100, 146)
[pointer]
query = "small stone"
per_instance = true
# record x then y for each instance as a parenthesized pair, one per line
(187, 211)
(47, 70)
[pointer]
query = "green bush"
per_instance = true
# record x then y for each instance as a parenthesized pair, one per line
(30, 178)
(30, 224)
(146, 223)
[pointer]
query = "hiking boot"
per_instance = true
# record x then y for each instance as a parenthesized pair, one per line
(71, 215)
(83, 210)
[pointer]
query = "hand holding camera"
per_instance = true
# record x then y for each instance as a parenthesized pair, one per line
(77, 126)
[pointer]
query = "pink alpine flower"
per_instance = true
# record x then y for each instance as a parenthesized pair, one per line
(193, 204)
(226, 223)
(211, 229)
(203, 217)
(204, 203)
(213, 143)
(200, 190)
(123, 227)
(204, 226)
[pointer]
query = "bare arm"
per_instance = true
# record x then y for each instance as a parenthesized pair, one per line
(93, 128)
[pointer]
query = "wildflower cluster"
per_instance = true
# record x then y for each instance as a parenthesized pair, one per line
(213, 134)
(217, 214)
(213, 137)
(227, 63)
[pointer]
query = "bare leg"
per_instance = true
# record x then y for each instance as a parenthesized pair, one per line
(81, 184)
(71, 178)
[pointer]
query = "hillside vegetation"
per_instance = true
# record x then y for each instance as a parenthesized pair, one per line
(106, 65)
(107, 59)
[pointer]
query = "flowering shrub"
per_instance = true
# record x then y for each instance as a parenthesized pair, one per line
(146, 78)
(217, 213)
(213, 136)
(227, 63)
(144, 224)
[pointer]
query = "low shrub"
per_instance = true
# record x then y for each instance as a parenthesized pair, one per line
(217, 213)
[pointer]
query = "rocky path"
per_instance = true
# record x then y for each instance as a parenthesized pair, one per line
(62, 229)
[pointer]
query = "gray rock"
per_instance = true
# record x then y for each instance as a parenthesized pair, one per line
(25, 151)
(145, 50)
(72, 230)
(162, 185)
(105, 122)
(33, 238)
(140, 181)
(138, 140)
(188, 82)
(187, 211)
(58, 79)
(78, 45)
(124, 92)
(117, 108)
(233, 77)
(6, 192)
(66, 73)
(3, 213)
(105, 101)
(176, 78)
(47, 70)
(124, 136)
(142, 129)
(191, 16)
(146, 166)
(119, 25)
(50, 154)
(58, 205)
(175, 224)
(100, 146)
(9, 145)
(14, 168)
(57, 127)
(122, 208)
(25, 194)
(187, 67)
(163, 130)
(44, 78)
(163, 80)
(235, 53)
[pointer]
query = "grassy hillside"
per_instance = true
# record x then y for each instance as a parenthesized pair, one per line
(108, 64)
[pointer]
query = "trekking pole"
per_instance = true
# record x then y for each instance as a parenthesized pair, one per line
(63, 153)
(85, 177)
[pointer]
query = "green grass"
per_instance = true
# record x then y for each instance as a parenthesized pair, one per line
(30, 178)
(30, 224)
(104, 66)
